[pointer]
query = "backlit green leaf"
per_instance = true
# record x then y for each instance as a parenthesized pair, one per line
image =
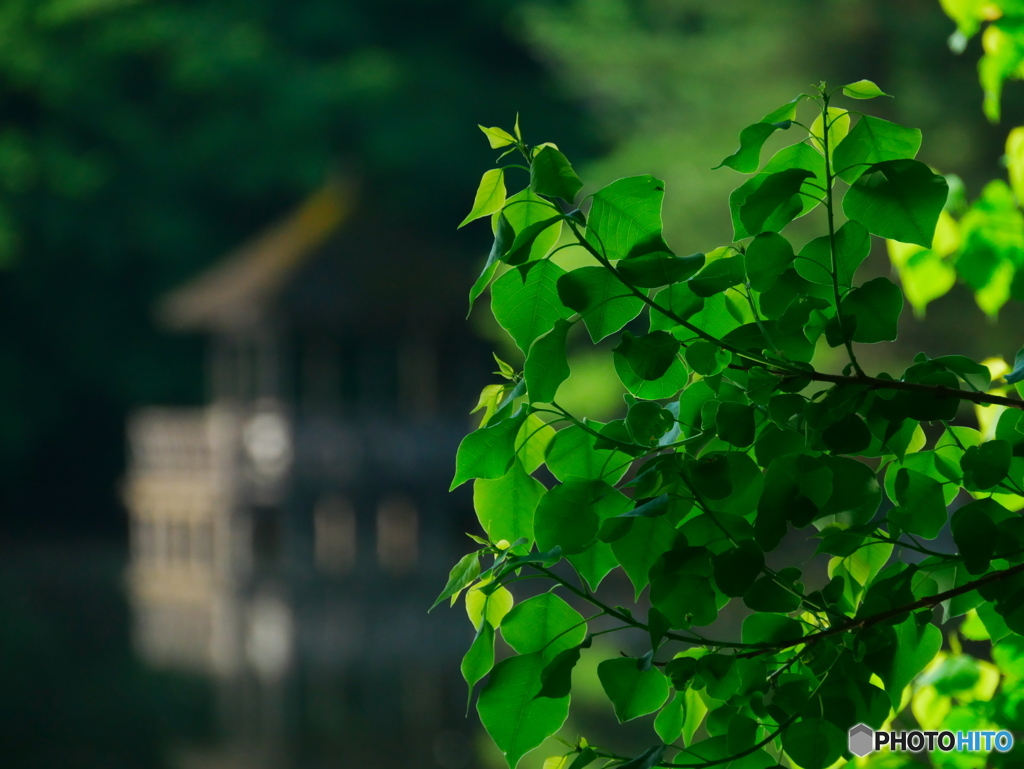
(814, 743)
(572, 454)
(649, 356)
(546, 366)
(505, 505)
(913, 646)
(633, 692)
(718, 275)
(525, 301)
(604, 302)
(871, 141)
(637, 551)
(658, 268)
(898, 199)
(497, 137)
(626, 216)
(511, 713)
(544, 624)
(767, 257)
(863, 89)
(490, 195)
(462, 575)
(551, 175)
(487, 452)
(747, 157)
(479, 659)
(875, 309)
(569, 515)
(853, 244)
(707, 358)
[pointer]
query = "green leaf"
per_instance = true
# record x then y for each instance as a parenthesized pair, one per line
(487, 452)
(872, 141)
(570, 515)
(658, 268)
(863, 89)
(775, 202)
(511, 713)
(855, 493)
(718, 275)
(647, 421)
(522, 248)
(680, 300)
(646, 541)
(813, 743)
(525, 301)
(923, 505)
(986, 465)
(847, 435)
(767, 257)
(975, 375)
(648, 356)
(503, 237)
(737, 568)
(669, 722)
(913, 646)
(680, 588)
(572, 454)
(671, 382)
(544, 624)
(525, 210)
(798, 156)
(489, 606)
(546, 366)
(707, 358)
(497, 137)
(626, 216)
(551, 175)
(490, 196)
(632, 691)
(853, 244)
(747, 158)
(1017, 374)
(975, 534)
(597, 560)
(462, 575)
(600, 297)
(735, 423)
(505, 505)
(839, 127)
(875, 308)
(649, 758)
(532, 441)
(898, 199)
(479, 659)
(556, 678)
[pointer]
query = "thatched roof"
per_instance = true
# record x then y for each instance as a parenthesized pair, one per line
(239, 289)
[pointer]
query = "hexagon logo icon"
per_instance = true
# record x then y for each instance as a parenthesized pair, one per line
(861, 740)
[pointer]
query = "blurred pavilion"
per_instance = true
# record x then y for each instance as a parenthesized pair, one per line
(288, 538)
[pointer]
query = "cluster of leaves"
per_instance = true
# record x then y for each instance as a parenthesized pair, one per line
(731, 445)
(1001, 23)
(982, 244)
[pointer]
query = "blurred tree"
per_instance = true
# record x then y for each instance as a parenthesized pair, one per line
(139, 140)
(665, 80)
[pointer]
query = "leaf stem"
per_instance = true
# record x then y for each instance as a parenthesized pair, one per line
(829, 182)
